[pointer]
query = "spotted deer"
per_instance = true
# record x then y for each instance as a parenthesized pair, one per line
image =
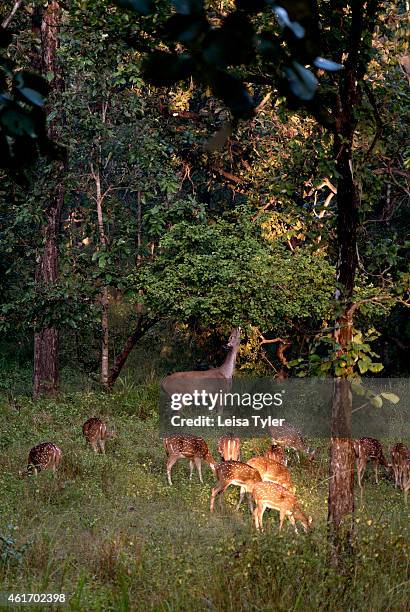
(288, 436)
(272, 495)
(44, 456)
(193, 448)
(399, 453)
(229, 448)
(367, 449)
(276, 453)
(96, 433)
(272, 471)
(235, 473)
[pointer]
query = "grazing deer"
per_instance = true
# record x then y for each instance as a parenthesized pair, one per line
(368, 449)
(235, 473)
(42, 457)
(96, 433)
(272, 471)
(271, 495)
(399, 453)
(186, 382)
(187, 447)
(288, 436)
(229, 448)
(276, 453)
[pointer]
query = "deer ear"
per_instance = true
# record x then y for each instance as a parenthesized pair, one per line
(310, 520)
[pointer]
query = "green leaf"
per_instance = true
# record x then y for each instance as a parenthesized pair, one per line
(391, 397)
(376, 401)
(375, 367)
(363, 366)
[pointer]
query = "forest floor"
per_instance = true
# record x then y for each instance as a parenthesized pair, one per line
(111, 534)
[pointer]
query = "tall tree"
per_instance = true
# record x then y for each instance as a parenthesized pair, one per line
(347, 40)
(46, 340)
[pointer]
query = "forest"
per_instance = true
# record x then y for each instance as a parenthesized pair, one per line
(198, 190)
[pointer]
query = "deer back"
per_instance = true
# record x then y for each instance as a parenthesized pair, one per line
(369, 448)
(187, 446)
(43, 456)
(95, 429)
(272, 471)
(237, 472)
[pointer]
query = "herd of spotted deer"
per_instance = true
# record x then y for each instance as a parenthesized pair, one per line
(265, 479)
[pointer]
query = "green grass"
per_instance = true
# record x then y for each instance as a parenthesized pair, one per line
(110, 533)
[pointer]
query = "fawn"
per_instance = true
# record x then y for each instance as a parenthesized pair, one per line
(187, 447)
(272, 495)
(276, 453)
(272, 471)
(42, 457)
(236, 473)
(399, 454)
(368, 449)
(289, 436)
(96, 433)
(229, 448)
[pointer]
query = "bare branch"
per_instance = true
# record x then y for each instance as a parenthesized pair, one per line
(6, 22)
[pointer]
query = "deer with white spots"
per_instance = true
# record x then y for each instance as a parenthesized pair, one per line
(235, 473)
(368, 449)
(44, 456)
(229, 448)
(289, 436)
(193, 448)
(271, 495)
(276, 453)
(399, 454)
(272, 471)
(96, 433)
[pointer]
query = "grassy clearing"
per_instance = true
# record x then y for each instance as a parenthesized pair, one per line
(110, 533)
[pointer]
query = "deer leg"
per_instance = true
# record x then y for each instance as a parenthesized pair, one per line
(198, 467)
(101, 444)
(171, 461)
(250, 503)
(220, 488)
(293, 522)
(191, 468)
(241, 496)
(376, 467)
(256, 516)
(282, 516)
(94, 446)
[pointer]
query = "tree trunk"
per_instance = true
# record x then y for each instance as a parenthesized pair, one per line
(46, 341)
(342, 458)
(105, 337)
(142, 326)
(99, 198)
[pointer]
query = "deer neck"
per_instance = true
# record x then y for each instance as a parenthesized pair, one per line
(228, 366)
